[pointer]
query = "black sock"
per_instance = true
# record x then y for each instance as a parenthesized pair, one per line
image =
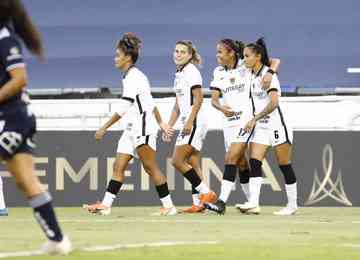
(194, 191)
(45, 216)
(244, 176)
(114, 187)
(192, 177)
(229, 172)
(255, 166)
(289, 174)
(162, 190)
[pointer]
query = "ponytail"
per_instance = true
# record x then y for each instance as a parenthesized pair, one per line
(13, 12)
(259, 47)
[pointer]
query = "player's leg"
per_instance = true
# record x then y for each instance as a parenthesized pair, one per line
(147, 155)
(195, 161)
(21, 166)
(180, 159)
(235, 151)
(3, 209)
(283, 153)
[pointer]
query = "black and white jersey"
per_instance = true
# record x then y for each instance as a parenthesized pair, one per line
(10, 58)
(138, 103)
(186, 80)
(235, 90)
(261, 99)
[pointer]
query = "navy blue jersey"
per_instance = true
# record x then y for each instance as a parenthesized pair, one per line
(17, 123)
(10, 58)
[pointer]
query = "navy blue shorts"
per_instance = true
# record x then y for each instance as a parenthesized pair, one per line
(17, 130)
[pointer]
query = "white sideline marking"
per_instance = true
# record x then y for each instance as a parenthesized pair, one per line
(113, 247)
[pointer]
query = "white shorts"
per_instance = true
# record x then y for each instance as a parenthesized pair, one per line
(272, 136)
(128, 143)
(235, 134)
(195, 138)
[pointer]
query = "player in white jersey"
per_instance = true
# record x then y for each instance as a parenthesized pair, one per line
(187, 108)
(270, 129)
(139, 137)
(230, 82)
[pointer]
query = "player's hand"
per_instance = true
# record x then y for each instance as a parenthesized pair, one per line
(100, 133)
(266, 81)
(227, 111)
(166, 138)
(187, 128)
(250, 125)
(167, 129)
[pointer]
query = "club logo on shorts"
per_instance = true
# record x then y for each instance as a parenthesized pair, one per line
(327, 187)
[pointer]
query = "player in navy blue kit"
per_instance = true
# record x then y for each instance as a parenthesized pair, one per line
(17, 123)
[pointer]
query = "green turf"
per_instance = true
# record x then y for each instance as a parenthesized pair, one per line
(315, 233)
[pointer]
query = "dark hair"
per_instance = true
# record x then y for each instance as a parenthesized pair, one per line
(236, 46)
(130, 44)
(13, 13)
(260, 48)
(195, 56)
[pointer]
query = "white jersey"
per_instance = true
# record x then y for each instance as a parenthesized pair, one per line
(235, 90)
(186, 80)
(136, 91)
(261, 99)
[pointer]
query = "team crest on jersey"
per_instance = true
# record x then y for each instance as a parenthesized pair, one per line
(14, 54)
(14, 51)
(232, 80)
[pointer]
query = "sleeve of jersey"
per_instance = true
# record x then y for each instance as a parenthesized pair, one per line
(11, 54)
(194, 79)
(215, 82)
(275, 85)
(128, 98)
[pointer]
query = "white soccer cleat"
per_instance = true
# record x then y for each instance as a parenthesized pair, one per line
(166, 212)
(287, 211)
(63, 247)
(248, 208)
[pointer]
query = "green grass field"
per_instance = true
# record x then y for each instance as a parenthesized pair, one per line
(315, 233)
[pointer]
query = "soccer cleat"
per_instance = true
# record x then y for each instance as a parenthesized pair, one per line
(287, 211)
(98, 208)
(166, 212)
(248, 208)
(219, 207)
(4, 212)
(193, 209)
(63, 247)
(209, 197)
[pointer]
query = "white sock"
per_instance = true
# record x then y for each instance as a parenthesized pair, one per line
(255, 187)
(226, 187)
(196, 199)
(167, 202)
(2, 200)
(108, 199)
(246, 190)
(291, 192)
(202, 188)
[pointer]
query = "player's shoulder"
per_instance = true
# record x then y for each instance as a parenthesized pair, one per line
(219, 70)
(136, 74)
(8, 39)
(191, 69)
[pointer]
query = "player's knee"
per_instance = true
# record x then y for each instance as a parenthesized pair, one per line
(176, 162)
(231, 158)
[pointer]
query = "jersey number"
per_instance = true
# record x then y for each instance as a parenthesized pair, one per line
(241, 132)
(276, 134)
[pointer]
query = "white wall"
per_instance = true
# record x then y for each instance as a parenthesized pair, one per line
(303, 113)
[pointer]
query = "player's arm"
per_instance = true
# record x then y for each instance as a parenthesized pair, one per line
(174, 114)
(274, 68)
(17, 82)
(164, 126)
(215, 102)
(270, 107)
(198, 96)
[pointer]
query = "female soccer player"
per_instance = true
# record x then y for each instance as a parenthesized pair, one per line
(139, 137)
(270, 129)
(230, 81)
(189, 98)
(17, 123)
